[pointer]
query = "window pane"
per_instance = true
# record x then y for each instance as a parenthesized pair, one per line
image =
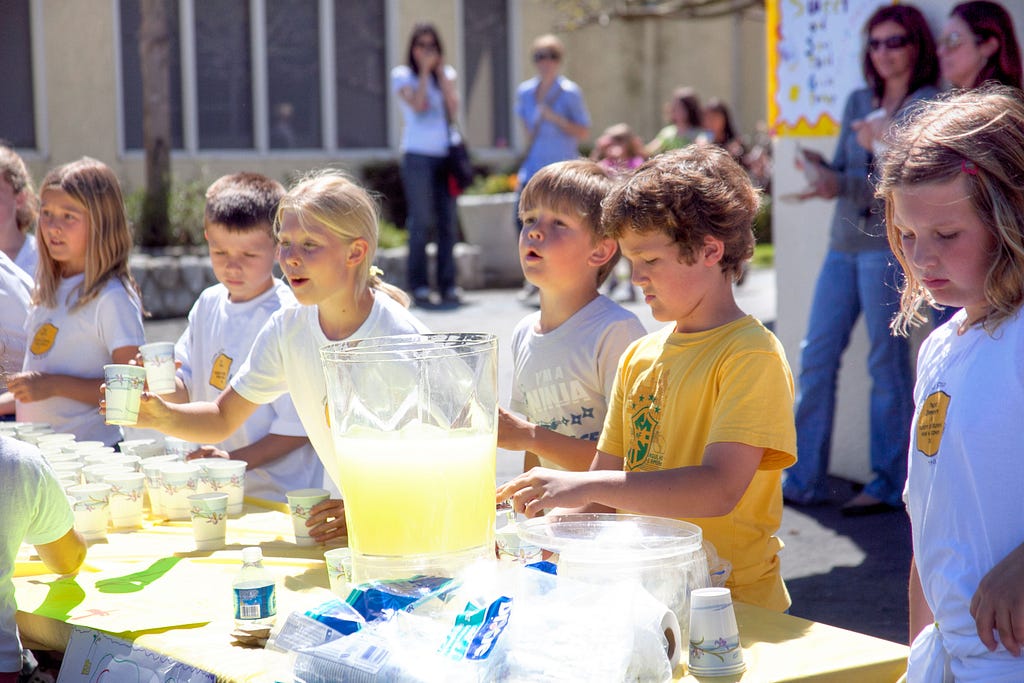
(223, 74)
(486, 78)
(362, 75)
(17, 112)
(131, 73)
(293, 73)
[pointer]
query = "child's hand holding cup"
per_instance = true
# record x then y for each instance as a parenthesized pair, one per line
(123, 393)
(158, 358)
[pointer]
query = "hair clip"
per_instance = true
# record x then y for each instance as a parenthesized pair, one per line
(376, 272)
(968, 167)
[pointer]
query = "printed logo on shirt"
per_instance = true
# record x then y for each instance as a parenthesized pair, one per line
(931, 423)
(221, 371)
(43, 339)
(644, 420)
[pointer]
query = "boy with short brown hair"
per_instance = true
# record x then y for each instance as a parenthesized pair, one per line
(700, 422)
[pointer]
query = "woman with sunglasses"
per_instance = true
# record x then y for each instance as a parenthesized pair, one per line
(425, 86)
(978, 45)
(860, 274)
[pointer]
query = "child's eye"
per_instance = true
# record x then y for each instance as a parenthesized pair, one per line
(650, 261)
(905, 236)
(948, 235)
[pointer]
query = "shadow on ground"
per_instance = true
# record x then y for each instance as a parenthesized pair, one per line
(849, 572)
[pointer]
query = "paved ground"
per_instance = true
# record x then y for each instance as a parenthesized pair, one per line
(850, 573)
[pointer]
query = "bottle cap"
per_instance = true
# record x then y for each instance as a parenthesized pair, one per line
(252, 554)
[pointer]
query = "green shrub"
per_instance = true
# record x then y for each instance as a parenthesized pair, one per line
(391, 235)
(185, 211)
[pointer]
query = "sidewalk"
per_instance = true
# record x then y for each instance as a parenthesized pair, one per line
(850, 573)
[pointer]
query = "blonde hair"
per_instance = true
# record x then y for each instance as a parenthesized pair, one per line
(574, 188)
(13, 170)
(977, 135)
(549, 41)
(330, 198)
(109, 244)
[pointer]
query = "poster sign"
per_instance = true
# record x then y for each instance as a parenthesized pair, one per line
(815, 53)
(97, 657)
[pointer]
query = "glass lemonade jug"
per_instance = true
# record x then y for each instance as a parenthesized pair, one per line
(414, 421)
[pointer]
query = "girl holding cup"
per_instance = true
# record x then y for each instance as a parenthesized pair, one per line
(86, 308)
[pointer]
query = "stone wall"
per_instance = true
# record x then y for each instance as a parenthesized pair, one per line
(172, 280)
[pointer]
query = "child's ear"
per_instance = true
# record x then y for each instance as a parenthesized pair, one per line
(602, 252)
(712, 251)
(357, 251)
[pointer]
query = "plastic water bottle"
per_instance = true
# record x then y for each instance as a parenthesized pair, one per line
(255, 591)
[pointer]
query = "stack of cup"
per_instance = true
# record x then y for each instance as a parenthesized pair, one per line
(209, 512)
(127, 490)
(714, 636)
(154, 481)
(158, 357)
(227, 476)
(300, 501)
(123, 393)
(179, 480)
(91, 504)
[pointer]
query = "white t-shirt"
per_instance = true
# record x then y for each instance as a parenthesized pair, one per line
(286, 358)
(965, 465)
(423, 132)
(562, 379)
(16, 294)
(35, 510)
(212, 348)
(79, 344)
(28, 256)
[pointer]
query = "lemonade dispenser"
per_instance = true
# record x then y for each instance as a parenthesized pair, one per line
(414, 421)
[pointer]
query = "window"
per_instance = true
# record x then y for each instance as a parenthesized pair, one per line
(17, 114)
(485, 74)
(131, 73)
(293, 66)
(361, 74)
(223, 74)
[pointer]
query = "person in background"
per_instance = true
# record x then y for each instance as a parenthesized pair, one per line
(619, 149)
(425, 86)
(978, 44)
(19, 208)
(576, 338)
(222, 326)
(684, 127)
(860, 276)
(555, 117)
(717, 121)
(688, 434)
(34, 510)
(16, 295)
(86, 308)
(955, 217)
(326, 228)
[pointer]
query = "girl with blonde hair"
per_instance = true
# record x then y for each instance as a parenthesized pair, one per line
(326, 228)
(86, 308)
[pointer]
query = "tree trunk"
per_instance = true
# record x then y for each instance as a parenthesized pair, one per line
(154, 57)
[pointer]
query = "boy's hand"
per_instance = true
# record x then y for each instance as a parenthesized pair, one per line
(327, 520)
(539, 489)
(153, 411)
(514, 433)
(998, 604)
(208, 452)
(30, 386)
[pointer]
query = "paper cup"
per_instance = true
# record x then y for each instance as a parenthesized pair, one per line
(62, 456)
(179, 480)
(227, 476)
(82, 446)
(339, 570)
(179, 447)
(144, 448)
(209, 512)
(714, 637)
(68, 468)
(58, 438)
(93, 474)
(124, 390)
(127, 490)
(158, 358)
(300, 501)
(154, 480)
(92, 508)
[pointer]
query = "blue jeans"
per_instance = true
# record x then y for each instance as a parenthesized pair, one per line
(431, 208)
(850, 284)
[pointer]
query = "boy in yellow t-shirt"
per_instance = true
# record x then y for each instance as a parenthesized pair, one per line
(700, 421)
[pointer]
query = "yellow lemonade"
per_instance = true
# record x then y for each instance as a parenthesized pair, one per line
(422, 490)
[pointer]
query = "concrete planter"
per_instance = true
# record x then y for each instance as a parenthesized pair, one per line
(488, 223)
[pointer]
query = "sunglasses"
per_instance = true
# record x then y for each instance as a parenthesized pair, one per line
(955, 40)
(425, 45)
(542, 55)
(890, 43)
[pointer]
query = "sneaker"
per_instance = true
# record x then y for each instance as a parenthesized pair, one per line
(421, 296)
(451, 297)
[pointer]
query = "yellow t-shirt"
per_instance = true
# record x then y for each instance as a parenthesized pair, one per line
(676, 393)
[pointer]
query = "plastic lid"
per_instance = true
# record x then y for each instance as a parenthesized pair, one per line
(252, 554)
(611, 535)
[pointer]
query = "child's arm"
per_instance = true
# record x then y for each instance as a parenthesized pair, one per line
(920, 612)
(65, 555)
(517, 434)
(259, 452)
(710, 489)
(200, 421)
(998, 604)
(37, 386)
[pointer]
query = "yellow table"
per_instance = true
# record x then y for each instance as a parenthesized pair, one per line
(177, 601)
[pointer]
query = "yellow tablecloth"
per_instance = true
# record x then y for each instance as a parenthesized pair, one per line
(152, 587)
